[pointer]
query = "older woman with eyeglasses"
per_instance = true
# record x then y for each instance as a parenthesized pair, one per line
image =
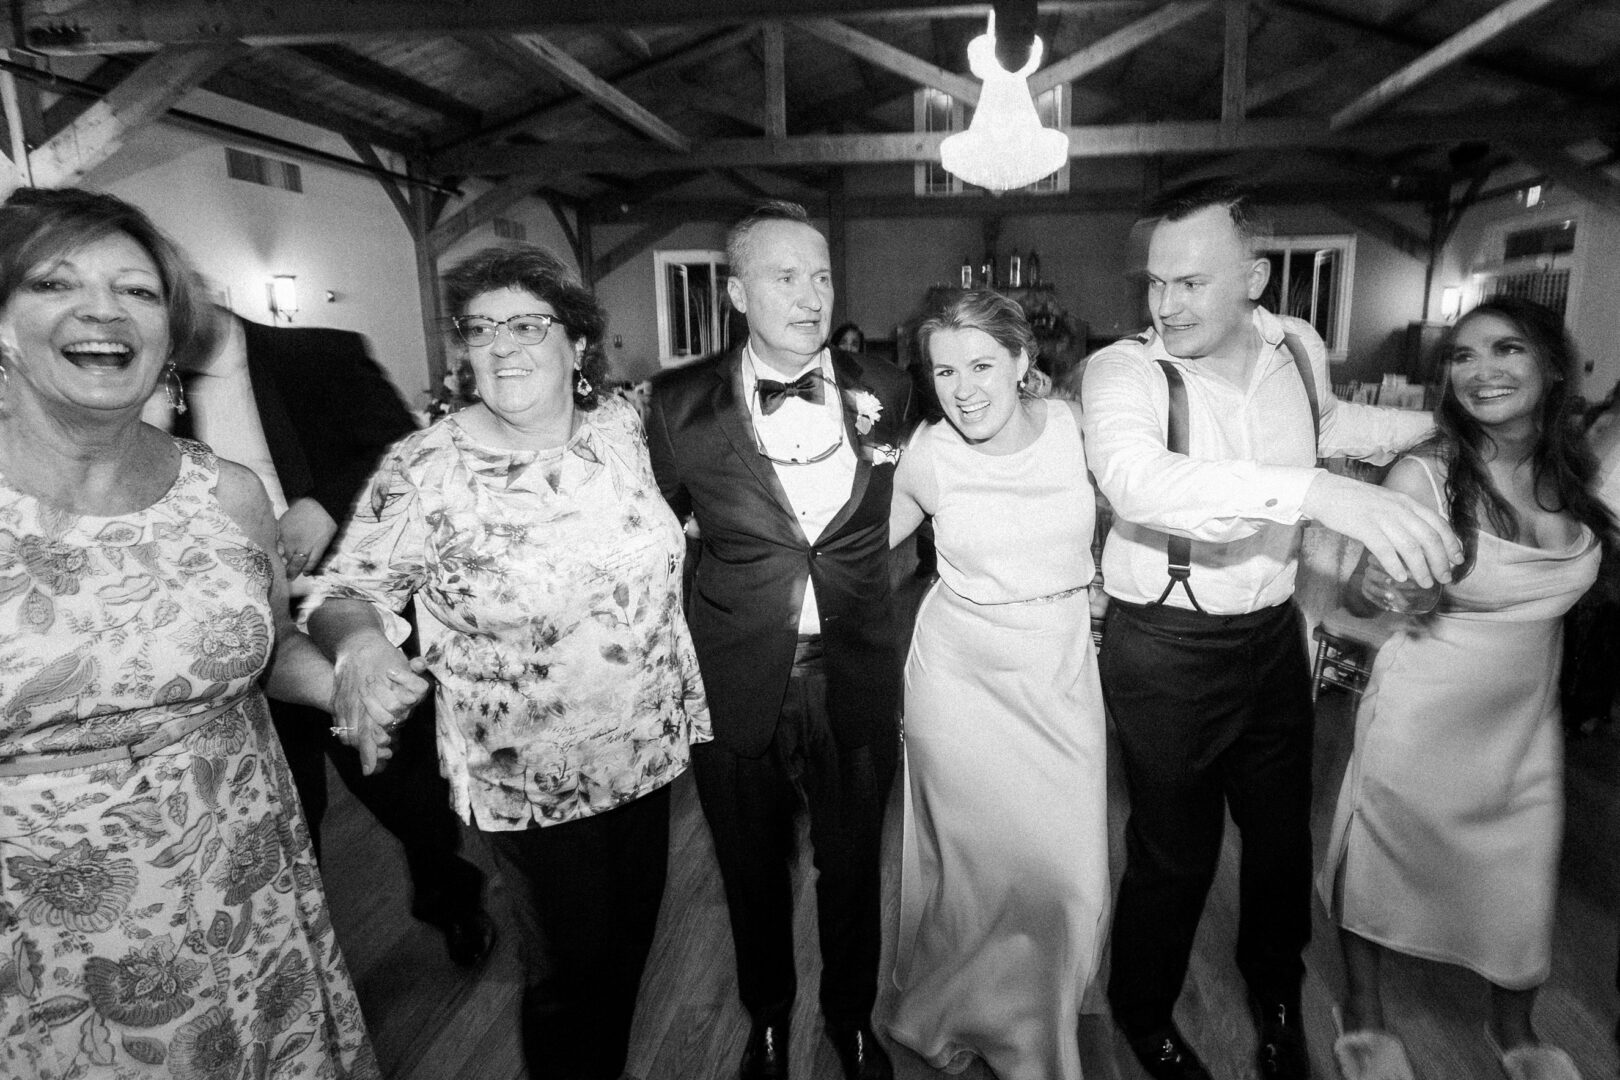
(546, 569)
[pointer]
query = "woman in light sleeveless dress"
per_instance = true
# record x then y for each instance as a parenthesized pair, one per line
(1004, 893)
(160, 912)
(1445, 843)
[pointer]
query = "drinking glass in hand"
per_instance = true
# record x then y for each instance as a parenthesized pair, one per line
(1401, 597)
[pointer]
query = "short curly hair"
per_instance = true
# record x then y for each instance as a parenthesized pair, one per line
(538, 272)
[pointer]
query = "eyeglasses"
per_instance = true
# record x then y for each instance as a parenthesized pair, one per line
(525, 329)
(789, 459)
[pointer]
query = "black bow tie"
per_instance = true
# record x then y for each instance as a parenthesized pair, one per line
(808, 386)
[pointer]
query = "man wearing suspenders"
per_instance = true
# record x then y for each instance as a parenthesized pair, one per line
(1204, 433)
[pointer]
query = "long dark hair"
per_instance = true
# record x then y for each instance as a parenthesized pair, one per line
(1562, 466)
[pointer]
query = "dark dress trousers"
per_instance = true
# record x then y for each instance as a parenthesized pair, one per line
(792, 717)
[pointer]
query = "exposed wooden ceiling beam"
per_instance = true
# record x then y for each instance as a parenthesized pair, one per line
(1120, 43)
(1299, 77)
(1405, 240)
(1588, 183)
(1235, 65)
(1497, 69)
(603, 93)
(771, 45)
(1442, 56)
(103, 26)
(551, 111)
(361, 71)
(145, 95)
(673, 212)
(1119, 140)
(883, 55)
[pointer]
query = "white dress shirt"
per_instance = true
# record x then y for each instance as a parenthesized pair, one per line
(1238, 490)
(801, 430)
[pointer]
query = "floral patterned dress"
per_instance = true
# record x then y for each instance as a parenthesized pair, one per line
(159, 916)
(548, 590)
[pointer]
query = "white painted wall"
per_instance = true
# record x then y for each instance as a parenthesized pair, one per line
(341, 234)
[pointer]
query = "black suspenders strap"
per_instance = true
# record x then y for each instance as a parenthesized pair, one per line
(1302, 363)
(1179, 548)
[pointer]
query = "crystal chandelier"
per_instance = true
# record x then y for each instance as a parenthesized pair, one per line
(1005, 146)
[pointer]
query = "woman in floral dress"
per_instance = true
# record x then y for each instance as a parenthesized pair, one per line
(160, 915)
(546, 570)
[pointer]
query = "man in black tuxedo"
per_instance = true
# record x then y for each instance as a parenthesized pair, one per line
(784, 451)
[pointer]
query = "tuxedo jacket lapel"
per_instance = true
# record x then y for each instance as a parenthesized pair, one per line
(848, 373)
(731, 409)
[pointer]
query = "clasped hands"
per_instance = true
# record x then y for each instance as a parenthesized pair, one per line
(375, 688)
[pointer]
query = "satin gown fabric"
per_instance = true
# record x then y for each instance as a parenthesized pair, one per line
(1445, 842)
(1005, 888)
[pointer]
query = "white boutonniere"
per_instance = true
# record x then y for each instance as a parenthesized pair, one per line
(884, 454)
(867, 409)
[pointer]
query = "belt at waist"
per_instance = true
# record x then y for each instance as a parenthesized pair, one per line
(27, 764)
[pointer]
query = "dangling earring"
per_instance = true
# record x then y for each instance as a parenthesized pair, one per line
(5, 383)
(177, 390)
(582, 385)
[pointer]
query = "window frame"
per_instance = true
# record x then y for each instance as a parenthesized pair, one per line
(1338, 348)
(718, 272)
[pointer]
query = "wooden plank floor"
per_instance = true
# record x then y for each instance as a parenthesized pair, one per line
(432, 1021)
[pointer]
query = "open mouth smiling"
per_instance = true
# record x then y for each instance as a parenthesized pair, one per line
(113, 354)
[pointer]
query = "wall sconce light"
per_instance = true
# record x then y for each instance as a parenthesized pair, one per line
(1450, 302)
(284, 296)
(1005, 146)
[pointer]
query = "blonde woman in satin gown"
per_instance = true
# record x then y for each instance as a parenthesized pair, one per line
(1445, 843)
(1004, 893)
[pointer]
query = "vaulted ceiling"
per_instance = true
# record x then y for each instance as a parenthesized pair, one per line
(626, 109)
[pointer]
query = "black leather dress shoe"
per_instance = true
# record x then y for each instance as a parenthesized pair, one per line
(468, 936)
(1166, 1056)
(1281, 1055)
(860, 1053)
(766, 1055)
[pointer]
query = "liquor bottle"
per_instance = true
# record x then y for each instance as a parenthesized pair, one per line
(1032, 269)
(987, 270)
(1015, 271)
(967, 272)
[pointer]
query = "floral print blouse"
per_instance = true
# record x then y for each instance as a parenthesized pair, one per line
(548, 592)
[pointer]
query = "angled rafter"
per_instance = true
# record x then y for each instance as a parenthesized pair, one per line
(886, 56)
(141, 98)
(1117, 140)
(599, 90)
(1563, 169)
(1403, 239)
(770, 36)
(1496, 68)
(672, 64)
(19, 174)
(1120, 43)
(402, 202)
(1235, 69)
(485, 207)
(633, 245)
(1299, 77)
(1442, 56)
(360, 70)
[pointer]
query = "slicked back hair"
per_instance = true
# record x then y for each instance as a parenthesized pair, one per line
(739, 246)
(1249, 220)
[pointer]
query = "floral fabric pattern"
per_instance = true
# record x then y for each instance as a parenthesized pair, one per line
(548, 591)
(160, 918)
